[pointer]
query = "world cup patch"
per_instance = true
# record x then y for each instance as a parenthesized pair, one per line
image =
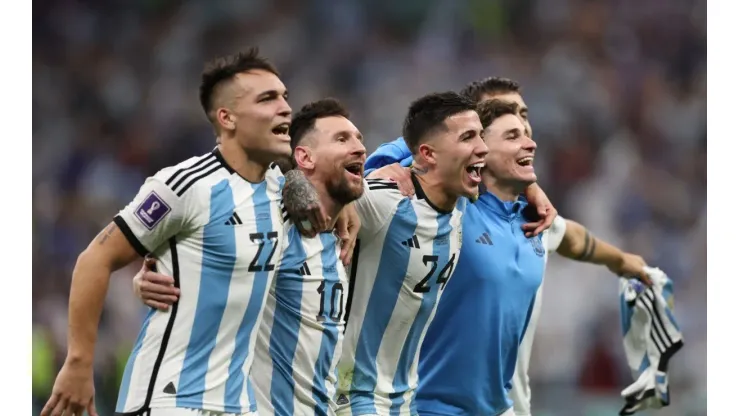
(152, 210)
(537, 246)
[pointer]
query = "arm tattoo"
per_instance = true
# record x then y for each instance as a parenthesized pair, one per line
(589, 245)
(103, 237)
(299, 195)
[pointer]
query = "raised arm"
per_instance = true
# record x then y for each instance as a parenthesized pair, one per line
(579, 244)
(387, 154)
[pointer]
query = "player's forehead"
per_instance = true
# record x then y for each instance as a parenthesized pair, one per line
(507, 97)
(503, 125)
(463, 121)
(259, 81)
(331, 126)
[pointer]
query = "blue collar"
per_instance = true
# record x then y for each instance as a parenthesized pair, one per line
(505, 209)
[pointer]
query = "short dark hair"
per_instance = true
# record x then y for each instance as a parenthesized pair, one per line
(225, 68)
(491, 85)
(490, 110)
(429, 113)
(305, 119)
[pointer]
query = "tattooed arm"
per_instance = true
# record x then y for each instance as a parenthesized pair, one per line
(579, 244)
(302, 203)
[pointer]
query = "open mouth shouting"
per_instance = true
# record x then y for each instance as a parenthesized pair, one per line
(355, 169)
(281, 130)
(474, 171)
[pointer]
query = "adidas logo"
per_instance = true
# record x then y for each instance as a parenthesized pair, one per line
(342, 400)
(304, 271)
(485, 239)
(170, 388)
(234, 220)
(412, 242)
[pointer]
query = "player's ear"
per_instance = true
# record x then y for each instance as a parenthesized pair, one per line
(225, 119)
(304, 158)
(427, 153)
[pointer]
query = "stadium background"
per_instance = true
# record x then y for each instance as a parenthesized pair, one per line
(617, 97)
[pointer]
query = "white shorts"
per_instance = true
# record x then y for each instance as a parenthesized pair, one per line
(192, 412)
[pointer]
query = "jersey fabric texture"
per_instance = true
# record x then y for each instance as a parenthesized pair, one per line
(219, 237)
(300, 337)
(406, 252)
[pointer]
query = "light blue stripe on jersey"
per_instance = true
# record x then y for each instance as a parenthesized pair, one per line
(330, 332)
(126, 380)
(285, 327)
(441, 249)
(235, 382)
(219, 257)
(387, 287)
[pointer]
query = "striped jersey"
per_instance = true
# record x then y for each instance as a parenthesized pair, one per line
(300, 337)
(406, 251)
(219, 237)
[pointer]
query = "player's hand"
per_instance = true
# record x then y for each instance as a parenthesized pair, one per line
(154, 289)
(631, 265)
(302, 203)
(398, 174)
(546, 211)
(348, 225)
(73, 391)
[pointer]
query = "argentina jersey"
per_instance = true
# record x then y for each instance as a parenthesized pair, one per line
(219, 237)
(406, 251)
(300, 337)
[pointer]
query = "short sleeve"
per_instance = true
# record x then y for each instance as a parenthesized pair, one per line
(377, 203)
(555, 234)
(155, 214)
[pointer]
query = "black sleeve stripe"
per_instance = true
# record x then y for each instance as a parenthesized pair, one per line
(352, 276)
(383, 186)
(126, 230)
(197, 178)
(201, 161)
(186, 177)
(372, 181)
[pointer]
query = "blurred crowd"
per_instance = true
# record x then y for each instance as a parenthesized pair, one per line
(617, 97)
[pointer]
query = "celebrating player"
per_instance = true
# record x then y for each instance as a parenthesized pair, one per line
(300, 337)
(567, 237)
(214, 224)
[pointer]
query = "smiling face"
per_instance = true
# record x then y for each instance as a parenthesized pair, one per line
(338, 156)
(511, 151)
(460, 153)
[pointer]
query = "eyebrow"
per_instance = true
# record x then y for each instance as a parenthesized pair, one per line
(468, 133)
(515, 131)
(271, 94)
(350, 133)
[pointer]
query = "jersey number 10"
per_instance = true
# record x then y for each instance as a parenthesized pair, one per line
(336, 308)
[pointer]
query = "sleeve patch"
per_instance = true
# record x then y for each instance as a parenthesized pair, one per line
(152, 210)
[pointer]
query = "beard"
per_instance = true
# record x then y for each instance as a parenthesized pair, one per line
(342, 192)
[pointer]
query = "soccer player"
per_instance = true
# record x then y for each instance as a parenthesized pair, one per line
(214, 224)
(300, 337)
(567, 237)
(405, 253)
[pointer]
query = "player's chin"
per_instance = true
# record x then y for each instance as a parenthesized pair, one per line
(281, 149)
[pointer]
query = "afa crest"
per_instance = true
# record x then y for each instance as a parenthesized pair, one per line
(537, 246)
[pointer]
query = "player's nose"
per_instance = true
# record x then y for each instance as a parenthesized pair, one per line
(529, 144)
(480, 150)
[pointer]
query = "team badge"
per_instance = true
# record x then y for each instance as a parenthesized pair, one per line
(536, 243)
(152, 210)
